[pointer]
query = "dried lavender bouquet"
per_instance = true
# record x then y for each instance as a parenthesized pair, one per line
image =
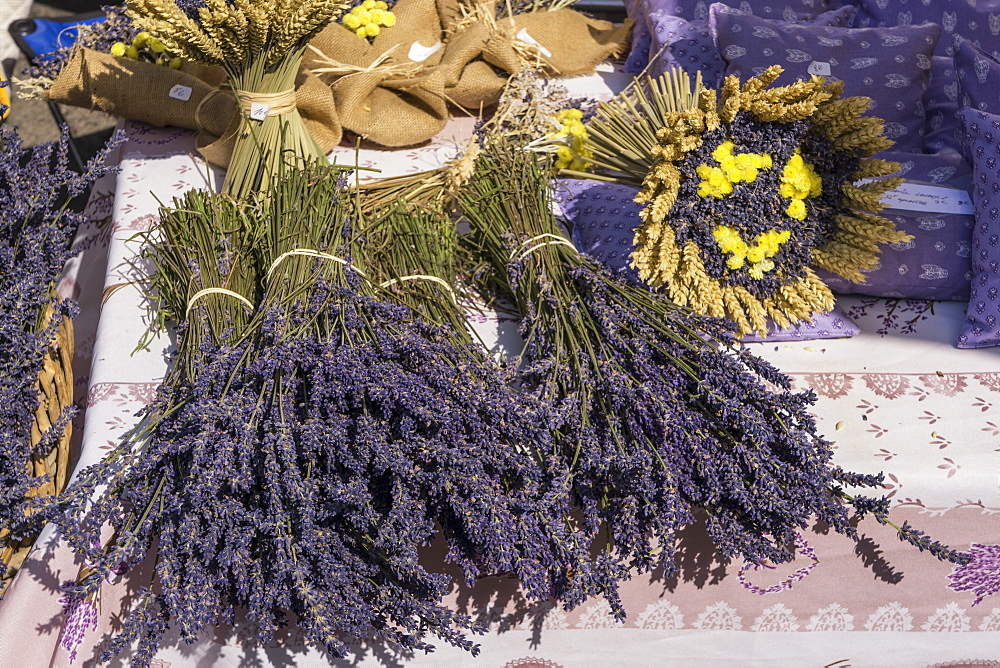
(417, 257)
(306, 445)
(36, 228)
(669, 419)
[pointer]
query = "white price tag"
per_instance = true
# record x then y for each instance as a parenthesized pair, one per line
(820, 69)
(928, 199)
(523, 36)
(258, 111)
(180, 92)
(419, 53)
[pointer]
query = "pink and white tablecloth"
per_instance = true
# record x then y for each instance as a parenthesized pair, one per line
(899, 397)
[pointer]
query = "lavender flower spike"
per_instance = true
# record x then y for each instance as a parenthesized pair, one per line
(981, 575)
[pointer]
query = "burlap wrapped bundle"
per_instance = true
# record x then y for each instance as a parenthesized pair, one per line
(560, 42)
(395, 90)
(193, 97)
(383, 89)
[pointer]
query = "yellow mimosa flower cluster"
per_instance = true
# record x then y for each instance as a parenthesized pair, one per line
(146, 47)
(573, 155)
(733, 168)
(758, 256)
(368, 18)
(799, 180)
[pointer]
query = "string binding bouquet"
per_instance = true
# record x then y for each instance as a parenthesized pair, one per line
(746, 190)
(667, 419)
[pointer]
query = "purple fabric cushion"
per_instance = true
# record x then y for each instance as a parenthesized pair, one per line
(981, 327)
(771, 9)
(689, 45)
(603, 218)
(978, 76)
(677, 42)
(638, 56)
(936, 263)
(889, 65)
(942, 129)
(977, 20)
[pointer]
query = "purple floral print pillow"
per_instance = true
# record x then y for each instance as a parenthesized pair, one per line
(977, 20)
(689, 45)
(942, 130)
(603, 218)
(771, 9)
(638, 56)
(936, 263)
(981, 327)
(978, 76)
(889, 65)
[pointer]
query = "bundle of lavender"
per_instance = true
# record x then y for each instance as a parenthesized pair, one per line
(671, 420)
(260, 46)
(419, 260)
(36, 227)
(307, 443)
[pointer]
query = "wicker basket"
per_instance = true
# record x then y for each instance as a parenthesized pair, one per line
(55, 394)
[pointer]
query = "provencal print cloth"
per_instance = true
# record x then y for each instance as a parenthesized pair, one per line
(898, 397)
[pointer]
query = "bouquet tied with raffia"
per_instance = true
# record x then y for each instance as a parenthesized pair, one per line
(310, 439)
(105, 69)
(259, 46)
(746, 189)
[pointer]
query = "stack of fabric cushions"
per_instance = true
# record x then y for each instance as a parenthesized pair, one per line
(932, 72)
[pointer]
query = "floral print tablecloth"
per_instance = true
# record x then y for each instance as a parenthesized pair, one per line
(899, 397)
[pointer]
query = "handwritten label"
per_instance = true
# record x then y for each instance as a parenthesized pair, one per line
(180, 92)
(258, 111)
(820, 69)
(419, 53)
(930, 199)
(528, 39)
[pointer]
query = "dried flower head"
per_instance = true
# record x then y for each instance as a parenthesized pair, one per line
(748, 190)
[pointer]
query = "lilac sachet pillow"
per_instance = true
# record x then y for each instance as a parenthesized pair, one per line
(981, 327)
(978, 76)
(769, 9)
(638, 56)
(977, 20)
(935, 264)
(689, 45)
(942, 129)
(604, 216)
(891, 66)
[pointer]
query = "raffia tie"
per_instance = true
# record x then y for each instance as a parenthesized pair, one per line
(309, 252)
(282, 102)
(215, 291)
(552, 240)
(421, 277)
(201, 105)
(380, 64)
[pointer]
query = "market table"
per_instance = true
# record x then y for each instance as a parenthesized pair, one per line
(898, 397)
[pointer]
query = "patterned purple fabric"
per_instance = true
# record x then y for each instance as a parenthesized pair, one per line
(942, 130)
(677, 42)
(603, 218)
(889, 65)
(978, 76)
(981, 327)
(977, 20)
(936, 263)
(638, 56)
(771, 9)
